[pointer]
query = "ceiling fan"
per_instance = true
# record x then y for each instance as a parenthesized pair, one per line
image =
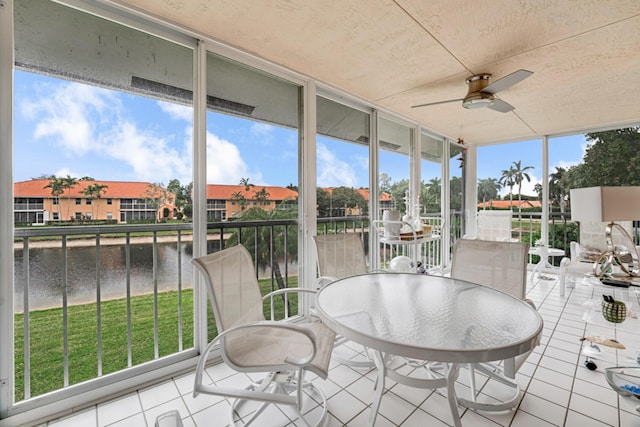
(481, 93)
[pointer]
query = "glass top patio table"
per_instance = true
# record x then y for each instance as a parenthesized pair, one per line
(429, 318)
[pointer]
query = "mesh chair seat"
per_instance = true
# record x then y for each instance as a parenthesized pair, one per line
(266, 346)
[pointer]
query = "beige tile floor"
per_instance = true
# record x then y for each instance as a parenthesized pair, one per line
(558, 390)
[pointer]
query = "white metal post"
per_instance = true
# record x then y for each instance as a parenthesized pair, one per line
(544, 216)
(470, 190)
(199, 188)
(374, 193)
(307, 201)
(7, 380)
(445, 200)
(414, 168)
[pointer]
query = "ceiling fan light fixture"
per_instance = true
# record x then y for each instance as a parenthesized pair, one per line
(481, 93)
(481, 100)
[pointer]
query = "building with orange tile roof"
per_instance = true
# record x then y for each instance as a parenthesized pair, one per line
(228, 201)
(125, 201)
(505, 204)
(119, 201)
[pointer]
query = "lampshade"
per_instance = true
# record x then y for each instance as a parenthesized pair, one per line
(605, 204)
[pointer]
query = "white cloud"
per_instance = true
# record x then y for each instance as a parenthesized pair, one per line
(177, 111)
(150, 157)
(225, 164)
(333, 172)
(262, 131)
(85, 120)
(69, 113)
(564, 164)
(65, 172)
(362, 162)
(527, 188)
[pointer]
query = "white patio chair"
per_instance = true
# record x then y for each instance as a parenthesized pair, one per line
(503, 266)
(338, 256)
(494, 225)
(248, 343)
(583, 254)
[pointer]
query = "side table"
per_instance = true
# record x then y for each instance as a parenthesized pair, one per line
(544, 253)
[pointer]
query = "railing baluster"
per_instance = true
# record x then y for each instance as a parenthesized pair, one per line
(98, 306)
(127, 261)
(180, 338)
(65, 320)
(272, 259)
(26, 320)
(255, 248)
(286, 255)
(156, 351)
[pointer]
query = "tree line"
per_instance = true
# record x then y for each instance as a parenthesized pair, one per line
(612, 158)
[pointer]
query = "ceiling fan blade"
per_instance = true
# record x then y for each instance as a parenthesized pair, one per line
(436, 103)
(501, 106)
(507, 81)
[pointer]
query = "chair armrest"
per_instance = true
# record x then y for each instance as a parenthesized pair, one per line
(289, 290)
(323, 281)
(285, 291)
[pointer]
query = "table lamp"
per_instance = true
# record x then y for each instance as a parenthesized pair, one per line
(610, 204)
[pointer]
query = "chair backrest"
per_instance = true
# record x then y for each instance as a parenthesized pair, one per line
(340, 255)
(500, 265)
(592, 234)
(493, 225)
(232, 286)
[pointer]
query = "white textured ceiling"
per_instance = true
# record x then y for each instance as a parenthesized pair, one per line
(585, 55)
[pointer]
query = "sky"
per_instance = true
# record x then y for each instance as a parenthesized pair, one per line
(563, 152)
(66, 128)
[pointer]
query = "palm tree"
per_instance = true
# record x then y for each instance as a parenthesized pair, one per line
(57, 188)
(520, 175)
(239, 198)
(262, 195)
(99, 190)
(507, 179)
(95, 191)
(488, 189)
(68, 183)
(245, 182)
(431, 194)
(89, 192)
(559, 187)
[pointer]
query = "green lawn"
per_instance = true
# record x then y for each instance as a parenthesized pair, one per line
(47, 351)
